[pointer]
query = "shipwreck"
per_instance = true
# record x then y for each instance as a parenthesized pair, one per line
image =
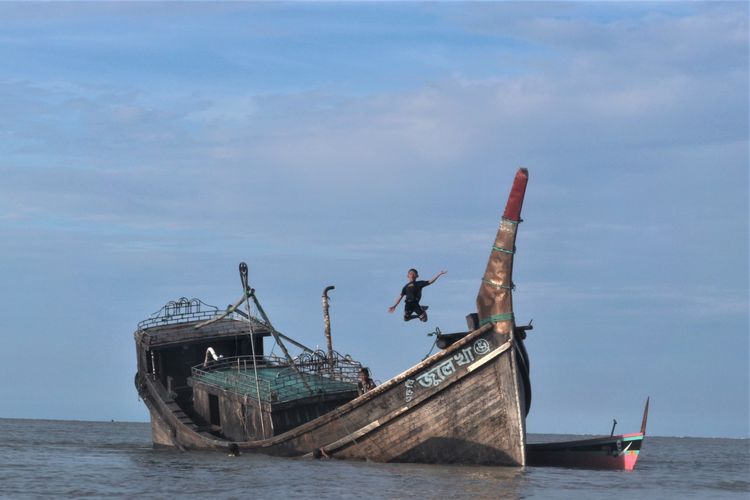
(208, 383)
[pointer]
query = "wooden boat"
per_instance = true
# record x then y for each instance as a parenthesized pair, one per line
(607, 452)
(465, 404)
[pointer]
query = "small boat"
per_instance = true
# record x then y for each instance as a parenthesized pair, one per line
(208, 384)
(607, 452)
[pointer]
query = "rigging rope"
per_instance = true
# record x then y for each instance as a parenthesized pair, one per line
(430, 351)
(243, 276)
(496, 318)
(436, 333)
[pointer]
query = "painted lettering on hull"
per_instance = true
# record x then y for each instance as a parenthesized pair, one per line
(442, 371)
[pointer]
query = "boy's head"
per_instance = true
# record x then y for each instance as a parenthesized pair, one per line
(412, 274)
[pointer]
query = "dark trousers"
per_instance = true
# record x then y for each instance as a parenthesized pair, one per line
(412, 310)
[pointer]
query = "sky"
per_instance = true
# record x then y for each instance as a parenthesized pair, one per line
(148, 148)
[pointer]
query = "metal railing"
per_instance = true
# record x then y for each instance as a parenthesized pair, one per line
(277, 380)
(183, 310)
(343, 368)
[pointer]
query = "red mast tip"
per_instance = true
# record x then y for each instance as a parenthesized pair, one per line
(517, 192)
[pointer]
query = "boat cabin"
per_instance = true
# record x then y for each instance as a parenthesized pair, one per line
(215, 373)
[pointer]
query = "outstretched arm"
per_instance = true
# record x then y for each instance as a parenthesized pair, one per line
(393, 307)
(434, 279)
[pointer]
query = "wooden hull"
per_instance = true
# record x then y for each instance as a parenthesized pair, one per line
(462, 405)
(611, 452)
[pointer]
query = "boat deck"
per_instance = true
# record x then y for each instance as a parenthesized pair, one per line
(274, 384)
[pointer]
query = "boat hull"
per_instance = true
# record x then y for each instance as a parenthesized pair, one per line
(467, 422)
(462, 405)
(611, 452)
(161, 434)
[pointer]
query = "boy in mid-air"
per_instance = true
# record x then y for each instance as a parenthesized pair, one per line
(412, 292)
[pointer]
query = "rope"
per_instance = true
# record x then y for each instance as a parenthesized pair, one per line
(496, 318)
(503, 250)
(255, 365)
(498, 285)
(431, 349)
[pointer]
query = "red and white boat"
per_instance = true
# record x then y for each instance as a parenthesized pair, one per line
(607, 452)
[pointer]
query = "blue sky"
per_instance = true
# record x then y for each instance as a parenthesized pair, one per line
(147, 148)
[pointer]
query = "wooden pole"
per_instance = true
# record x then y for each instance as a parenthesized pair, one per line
(327, 324)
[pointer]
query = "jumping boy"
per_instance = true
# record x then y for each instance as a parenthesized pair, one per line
(412, 291)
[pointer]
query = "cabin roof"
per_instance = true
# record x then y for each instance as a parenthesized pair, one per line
(192, 320)
(187, 332)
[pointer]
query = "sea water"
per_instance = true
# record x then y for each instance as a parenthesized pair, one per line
(47, 458)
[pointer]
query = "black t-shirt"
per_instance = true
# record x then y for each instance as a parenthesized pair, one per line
(412, 291)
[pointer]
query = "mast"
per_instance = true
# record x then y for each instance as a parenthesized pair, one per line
(645, 417)
(327, 325)
(495, 299)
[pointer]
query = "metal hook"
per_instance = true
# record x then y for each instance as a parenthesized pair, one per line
(243, 276)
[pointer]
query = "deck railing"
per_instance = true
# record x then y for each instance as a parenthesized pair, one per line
(277, 380)
(183, 310)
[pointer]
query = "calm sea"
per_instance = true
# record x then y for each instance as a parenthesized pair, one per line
(44, 458)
